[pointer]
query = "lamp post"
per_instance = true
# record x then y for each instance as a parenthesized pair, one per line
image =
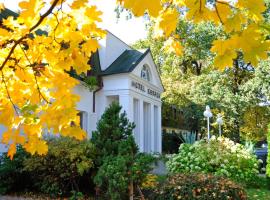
(207, 113)
(220, 122)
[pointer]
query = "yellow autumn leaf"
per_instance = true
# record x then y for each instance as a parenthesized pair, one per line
(235, 22)
(11, 151)
(77, 4)
(36, 145)
(225, 52)
(166, 23)
(140, 7)
(222, 12)
(173, 46)
(74, 131)
(90, 46)
(93, 14)
(255, 8)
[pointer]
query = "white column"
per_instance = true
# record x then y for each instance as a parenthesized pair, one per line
(141, 131)
(159, 133)
(152, 129)
(126, 101)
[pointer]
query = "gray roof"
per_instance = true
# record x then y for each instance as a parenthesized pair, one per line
(126, 62)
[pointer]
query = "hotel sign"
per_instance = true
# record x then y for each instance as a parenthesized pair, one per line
(142, 88)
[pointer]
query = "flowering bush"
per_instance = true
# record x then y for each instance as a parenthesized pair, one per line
(220, 156)
(197, 186)
(150, 181)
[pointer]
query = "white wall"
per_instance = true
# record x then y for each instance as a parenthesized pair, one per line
(86, 105)
(110, 49)
(155, 80)
(2, 146)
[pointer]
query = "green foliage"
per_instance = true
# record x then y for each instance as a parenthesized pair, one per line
(12, 176)
(63, 168)
(192, 186)
(191, 83)
(76, 195)
(118, 163)
(268, 156)
(219, 156)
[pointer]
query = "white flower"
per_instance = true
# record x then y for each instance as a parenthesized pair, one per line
(263, 169)
(260, 161)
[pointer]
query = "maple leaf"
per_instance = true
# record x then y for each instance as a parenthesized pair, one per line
(93, 14)
(11, 151)
(77, 4)
(140, 7)
(166, 23)
(255, 8)
(173, 46)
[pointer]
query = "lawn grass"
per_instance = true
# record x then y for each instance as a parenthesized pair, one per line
(258, 194)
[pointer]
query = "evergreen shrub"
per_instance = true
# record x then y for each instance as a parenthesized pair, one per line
(120, 166)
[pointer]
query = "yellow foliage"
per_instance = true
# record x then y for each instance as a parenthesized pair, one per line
(140, 7)
(166, 22)
(36, 94)
(150, 181)
(173, 46)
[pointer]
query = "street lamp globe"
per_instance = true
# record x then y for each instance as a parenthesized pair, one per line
(219, 119)
(207, 113)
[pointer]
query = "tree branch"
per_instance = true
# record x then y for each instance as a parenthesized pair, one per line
(9, 97)
(226, 3)
(218, 15)
(42, 17)
(38, 88)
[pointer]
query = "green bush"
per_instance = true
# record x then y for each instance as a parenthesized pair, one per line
(220, 156)
(13, 177)
(197, 186)
(268, 156)
(119, 165)
(66, 167)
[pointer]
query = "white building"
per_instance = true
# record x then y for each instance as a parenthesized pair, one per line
(129, 77)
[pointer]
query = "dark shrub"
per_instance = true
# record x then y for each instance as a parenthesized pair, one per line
(12, 176)
(66, 167)
(195, 186)
(170, 142)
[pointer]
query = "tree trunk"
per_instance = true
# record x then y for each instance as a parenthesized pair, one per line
(131, 190)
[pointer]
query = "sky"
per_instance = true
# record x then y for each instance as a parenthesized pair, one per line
(127, 30)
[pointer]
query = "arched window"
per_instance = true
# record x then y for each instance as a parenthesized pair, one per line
(145, 73)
